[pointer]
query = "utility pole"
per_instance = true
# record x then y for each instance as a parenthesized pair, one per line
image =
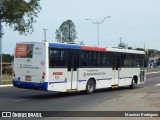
(120, 40)
(61, 37)
(1, 78)
(134, 45)
(45, 35)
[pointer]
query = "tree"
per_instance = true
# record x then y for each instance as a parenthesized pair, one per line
(58, 36)
(140, 49)
(158, 62)
(7, 57)
(66, 32)
(19, 14)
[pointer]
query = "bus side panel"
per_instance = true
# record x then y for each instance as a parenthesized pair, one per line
(104, 78)
(101, 75)
(126, 75)
(57, 79)
(82, 79)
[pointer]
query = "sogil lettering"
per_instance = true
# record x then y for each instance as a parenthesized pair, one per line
(57, 73)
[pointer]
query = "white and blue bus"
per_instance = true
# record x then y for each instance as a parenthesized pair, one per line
(70, 67)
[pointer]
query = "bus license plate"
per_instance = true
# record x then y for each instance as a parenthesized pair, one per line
(28, 78)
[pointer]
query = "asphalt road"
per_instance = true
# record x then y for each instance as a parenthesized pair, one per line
(15, 99)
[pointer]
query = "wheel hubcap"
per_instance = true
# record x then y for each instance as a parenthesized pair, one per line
(133, 83)
(90, 87)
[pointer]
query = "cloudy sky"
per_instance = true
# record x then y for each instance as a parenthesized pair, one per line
(136, 21)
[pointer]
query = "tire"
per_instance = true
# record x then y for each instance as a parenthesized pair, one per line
(133, 84)
(90, 86)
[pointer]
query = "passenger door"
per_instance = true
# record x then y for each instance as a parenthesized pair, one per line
(115, 69)
(72, 75)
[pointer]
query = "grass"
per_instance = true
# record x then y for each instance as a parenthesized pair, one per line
(7, 79)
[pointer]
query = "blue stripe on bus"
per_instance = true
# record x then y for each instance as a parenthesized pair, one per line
(105, 79)
(97, 79)
(62, 45)
(30, 85)
(57, 82)
(82, 80)
(125, 77)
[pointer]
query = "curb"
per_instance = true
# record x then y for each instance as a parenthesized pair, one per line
(6, 85)
(152, 72)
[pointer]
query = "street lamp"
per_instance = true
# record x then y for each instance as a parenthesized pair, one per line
(97, 23)
(45, 35)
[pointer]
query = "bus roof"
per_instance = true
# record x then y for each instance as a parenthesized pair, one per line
(88, 47)
(95, 48)
(125, 50)
(64, 45)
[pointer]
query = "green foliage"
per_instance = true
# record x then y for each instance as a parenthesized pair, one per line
(66, 32)
(58, 36)
(158, 62)
(153, 53)
(19, 14)
(140, 49)
(7, 58)
(7, 70)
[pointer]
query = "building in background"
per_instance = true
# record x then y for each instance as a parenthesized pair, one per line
(153, 61)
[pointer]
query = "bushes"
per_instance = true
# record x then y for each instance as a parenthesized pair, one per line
(7, 70)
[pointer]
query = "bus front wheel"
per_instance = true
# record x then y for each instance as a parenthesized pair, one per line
(90, 86)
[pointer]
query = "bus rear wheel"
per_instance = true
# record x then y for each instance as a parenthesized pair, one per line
(90, 86)
(133, 84)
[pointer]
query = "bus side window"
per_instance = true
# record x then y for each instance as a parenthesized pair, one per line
(62, 58)
(108, 59)
(52, 59)
(99, 58)
(69, 62)
(128, 60)
(92, 56)
(57, 58)
(104, 62)
(122, 60)
(84, 58)
(135, 60)
(141, 60)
